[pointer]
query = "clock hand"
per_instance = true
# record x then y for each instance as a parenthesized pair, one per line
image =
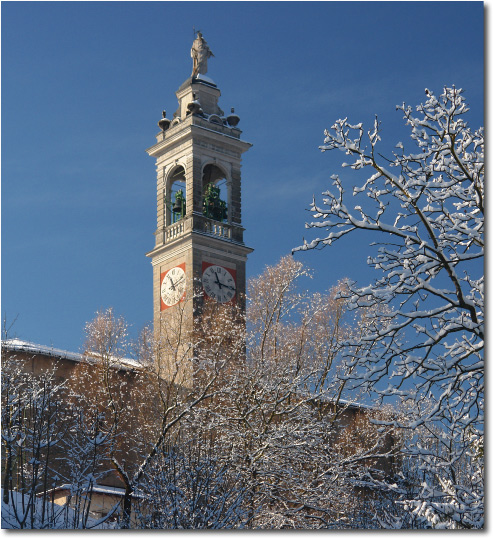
(172, 284)
(217, 281)
(230, 287)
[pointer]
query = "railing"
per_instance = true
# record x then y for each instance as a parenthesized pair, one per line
(218, 229)
(199, 223)
(174, 231)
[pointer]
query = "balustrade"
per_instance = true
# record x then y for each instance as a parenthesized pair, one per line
(208, 226)
(219, 229)
(175, 230)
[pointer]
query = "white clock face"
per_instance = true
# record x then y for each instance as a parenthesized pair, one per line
(219, 283)
(173, 286)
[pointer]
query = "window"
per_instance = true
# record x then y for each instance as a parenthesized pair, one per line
(175, 198)
(214, 193)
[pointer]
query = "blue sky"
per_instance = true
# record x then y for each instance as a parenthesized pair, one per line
(83, 86)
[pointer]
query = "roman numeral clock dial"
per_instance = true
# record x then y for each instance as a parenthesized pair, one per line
(219, 283)
(173, 285)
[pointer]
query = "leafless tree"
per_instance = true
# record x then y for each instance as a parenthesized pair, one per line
(427, 208)
(33, 428)
(283, 415)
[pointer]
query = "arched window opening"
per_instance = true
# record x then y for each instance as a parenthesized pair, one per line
(215, 193)
(176, 198)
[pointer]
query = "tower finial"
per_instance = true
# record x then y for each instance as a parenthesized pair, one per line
(200, 53)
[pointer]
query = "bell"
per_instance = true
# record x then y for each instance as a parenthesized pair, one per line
(177, 205)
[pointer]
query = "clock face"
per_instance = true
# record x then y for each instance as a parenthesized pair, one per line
(173, 283)
(219, 283)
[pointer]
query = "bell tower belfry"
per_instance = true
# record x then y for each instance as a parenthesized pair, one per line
(199, 237)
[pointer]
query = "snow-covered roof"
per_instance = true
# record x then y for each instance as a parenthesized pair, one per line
(15, 344)
(97, 488)
(352, 403)
(203, 78)
(343, 402)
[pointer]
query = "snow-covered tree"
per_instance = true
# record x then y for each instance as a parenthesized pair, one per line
(137, 407)
(190, 485)
(423, 343)
(108, 391)
(33, 436)
(280, 421)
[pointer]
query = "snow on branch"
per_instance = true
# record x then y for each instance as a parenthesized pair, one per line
(423, 334)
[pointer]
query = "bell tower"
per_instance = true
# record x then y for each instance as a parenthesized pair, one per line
(199, 237)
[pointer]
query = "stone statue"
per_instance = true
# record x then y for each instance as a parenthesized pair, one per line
(200, 53)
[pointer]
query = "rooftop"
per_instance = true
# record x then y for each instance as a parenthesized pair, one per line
(15, 344)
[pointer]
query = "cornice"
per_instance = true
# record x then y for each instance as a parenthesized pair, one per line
(195, 239)
(189, 130)
(170, 250)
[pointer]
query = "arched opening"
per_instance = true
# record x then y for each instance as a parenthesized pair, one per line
(214, 193)
(176, 194)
